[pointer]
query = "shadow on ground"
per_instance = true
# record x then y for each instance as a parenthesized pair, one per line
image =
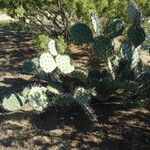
(120, 126)
(15, 48)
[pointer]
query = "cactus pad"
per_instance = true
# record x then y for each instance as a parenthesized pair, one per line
(80, 33)
(13, 103)
(136, 35)
(52, 47)
(64, 64)
(134, 13)
(114, 28)
(102, 47)
(47, 62)
(37, 98)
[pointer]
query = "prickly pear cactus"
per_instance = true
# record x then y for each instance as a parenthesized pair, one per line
(134, 13)
(80, 33)
(52, 47)
(47, 62)
(136, 35)
(38, 98)
(64, 63)
(14, 102)
(114, 28)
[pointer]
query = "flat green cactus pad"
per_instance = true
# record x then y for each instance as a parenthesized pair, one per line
(13, 103)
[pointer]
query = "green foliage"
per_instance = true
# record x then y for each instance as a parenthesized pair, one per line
(114, 28)
(136, 35)
(13, 102)
(20, 11)
(80, 33)
(42, 42)
(61, 45)
(44, 14)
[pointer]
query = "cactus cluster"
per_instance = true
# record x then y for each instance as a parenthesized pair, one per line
(58, 70)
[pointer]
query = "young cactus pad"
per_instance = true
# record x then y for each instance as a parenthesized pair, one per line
(52, 47)
(80, 33)
(37, 98)
(64, 64)
(47, 62)
(61, 45)
(13, 103)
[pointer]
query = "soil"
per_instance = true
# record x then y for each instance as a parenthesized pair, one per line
(121, 125)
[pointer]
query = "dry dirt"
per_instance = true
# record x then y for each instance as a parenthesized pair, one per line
(121, 126)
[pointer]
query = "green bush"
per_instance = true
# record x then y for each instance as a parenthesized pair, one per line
(41, 42)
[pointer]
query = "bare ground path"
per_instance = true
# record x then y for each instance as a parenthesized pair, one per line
(121, 126)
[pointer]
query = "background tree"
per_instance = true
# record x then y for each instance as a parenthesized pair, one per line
(56, 16)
